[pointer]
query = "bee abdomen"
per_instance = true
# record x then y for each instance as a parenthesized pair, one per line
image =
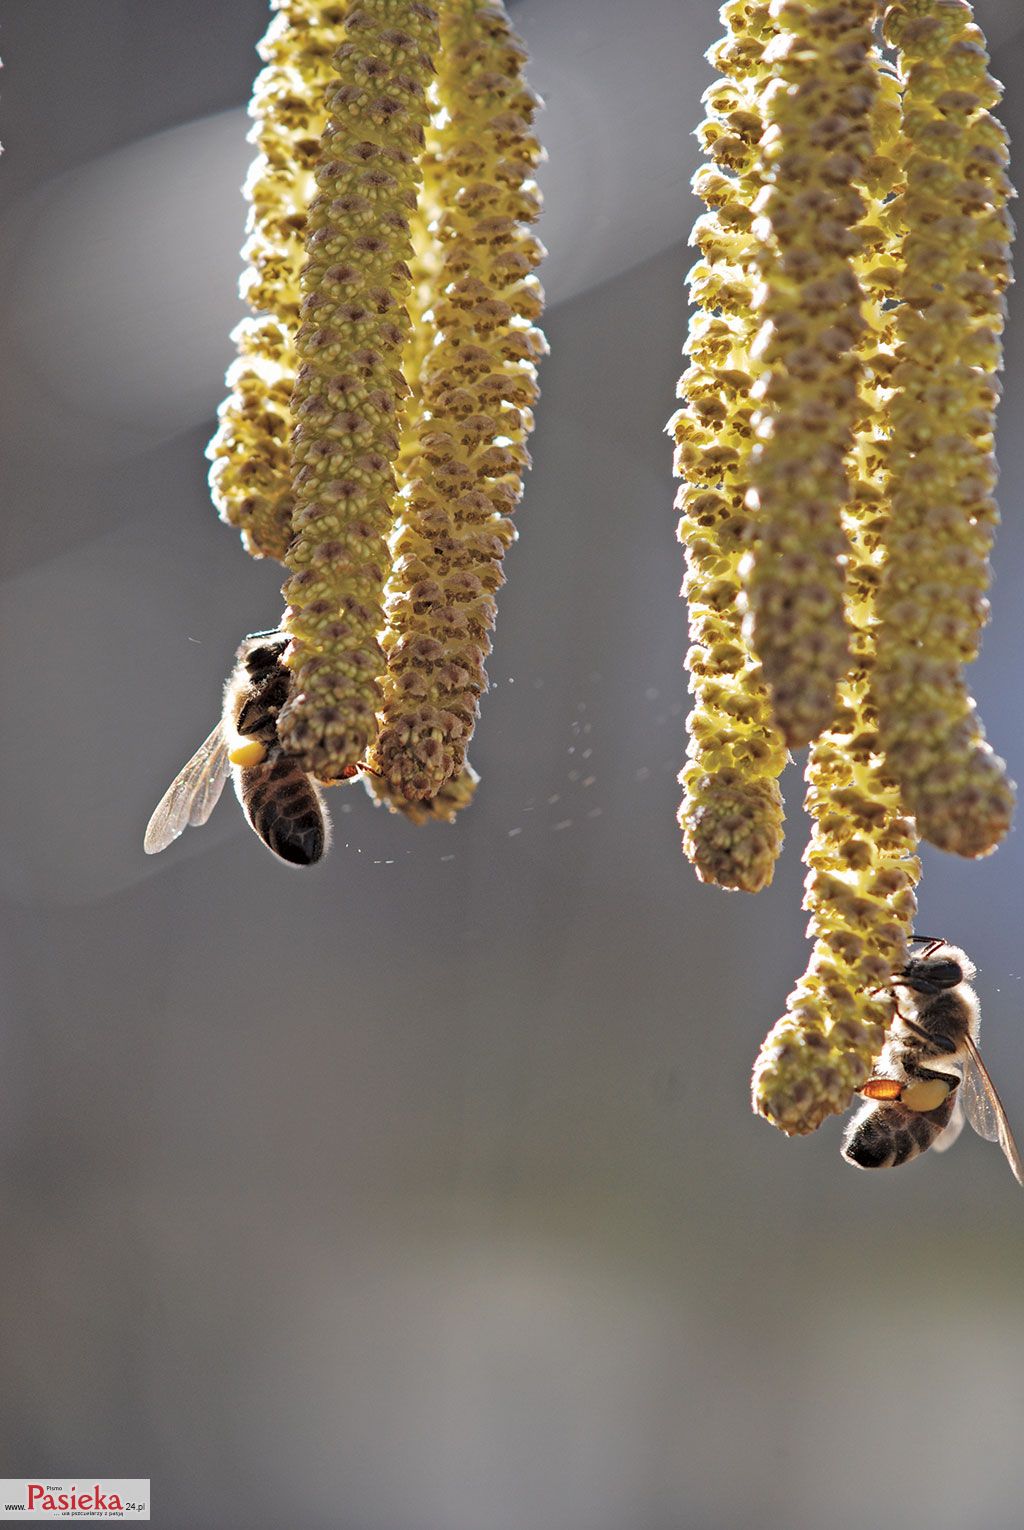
(283, 807)
(884, 1136)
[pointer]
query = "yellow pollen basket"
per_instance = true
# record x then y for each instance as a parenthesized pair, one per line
(926, 1094)
(248, 755)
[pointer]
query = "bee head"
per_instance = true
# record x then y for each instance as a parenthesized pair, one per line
(939, 967)
(261, 652)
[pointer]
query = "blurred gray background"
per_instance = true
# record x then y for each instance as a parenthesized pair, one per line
(421, 1191)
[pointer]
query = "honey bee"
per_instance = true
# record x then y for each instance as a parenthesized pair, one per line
(283, 804)
(930, 1073)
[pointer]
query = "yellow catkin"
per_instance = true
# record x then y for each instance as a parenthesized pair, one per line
(862, 852)
(459, 792)
(249, 477)
(816, 110)
(731, 813)
(951, 214)
(465, 451)
(424, 267)
(861, 899)
(349, 389)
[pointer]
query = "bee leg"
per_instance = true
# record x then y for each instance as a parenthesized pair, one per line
(260, 709)
(897, 1013)
(252, 717)
(937, 1073)
(248, 755)
(937, 1043)
(349, 772)
(919, 984)
(928, 1092)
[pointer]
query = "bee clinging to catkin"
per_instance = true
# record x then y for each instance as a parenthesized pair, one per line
(282, 802)
(930, 1075)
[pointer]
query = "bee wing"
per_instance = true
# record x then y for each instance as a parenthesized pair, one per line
(954, 1126)
(192, 795)
(985, 1111)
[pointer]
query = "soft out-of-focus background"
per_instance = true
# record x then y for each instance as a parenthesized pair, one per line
(421, 1192)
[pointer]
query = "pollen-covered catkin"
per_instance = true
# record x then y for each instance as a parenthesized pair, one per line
(424, 268)
(954, 266)
(861, 899)
(731, 813)
(816, 109)
(454, 795)
(859, 888)
(349, 388)
(862, 859)
(464, 453)
(249, 477)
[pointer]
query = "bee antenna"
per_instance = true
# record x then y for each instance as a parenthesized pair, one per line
(927, 940)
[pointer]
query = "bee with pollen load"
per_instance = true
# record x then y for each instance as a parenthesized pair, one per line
(929, 1075)
(283, 804)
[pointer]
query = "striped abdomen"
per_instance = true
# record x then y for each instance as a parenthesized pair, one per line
(284, 807)
(882, 1135)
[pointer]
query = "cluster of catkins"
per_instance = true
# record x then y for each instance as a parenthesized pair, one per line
(374, 438)
(836, 448)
